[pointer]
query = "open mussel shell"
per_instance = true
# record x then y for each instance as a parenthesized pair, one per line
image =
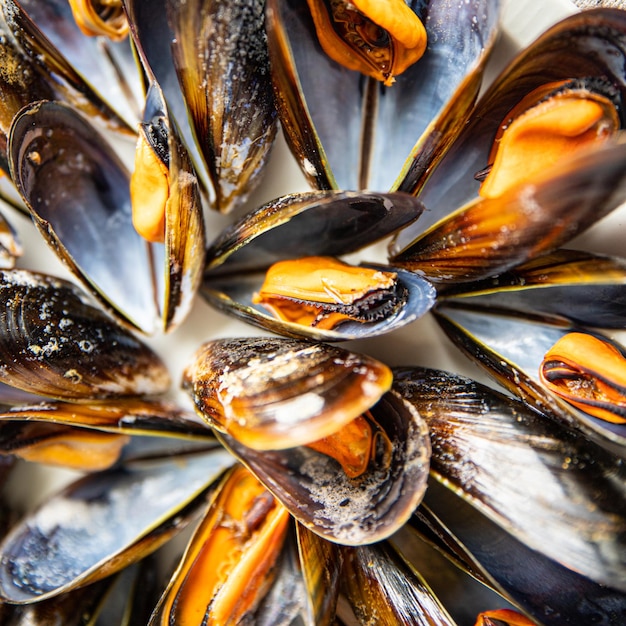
(94, 436)
(542, 588)
(57, 343)
(182, 256)
(495, 453)
(232, 118)
(511, 348)
(271, 393)
(584, 46)
(42, 73)
(69, 176)
(107, 65)
(229, 566)
(103, 522)
(493, 235)
(349, 131)
(586, 288)
(366, 508)
(322, 223)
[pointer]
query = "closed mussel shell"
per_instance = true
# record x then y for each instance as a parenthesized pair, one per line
(470, 234)
(312, 225)
(383, 587)
(586, 288)
(224, 47)
(512, 349)
(57, 343)
(551, 594)
(271, 393)
(496, 453)
(102, 523)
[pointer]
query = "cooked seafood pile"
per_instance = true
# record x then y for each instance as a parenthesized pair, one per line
(289, 477)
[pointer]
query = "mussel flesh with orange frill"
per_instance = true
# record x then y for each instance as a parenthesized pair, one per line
(278, 267)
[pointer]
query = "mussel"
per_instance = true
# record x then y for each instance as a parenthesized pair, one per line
(378, 40)
(227, 568)
(92, 435)
(229, 124)
(588, 373)
(55, 342)
(493, 451)
(547, 125)
(106, 63)
(277, 267)
(314, 424)
(510, 324)
(553, 595)
(324, 292)
(136, 508)
(85, 182)
(272, 394)
(474, 230)
(586, 288)
(332, 67)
